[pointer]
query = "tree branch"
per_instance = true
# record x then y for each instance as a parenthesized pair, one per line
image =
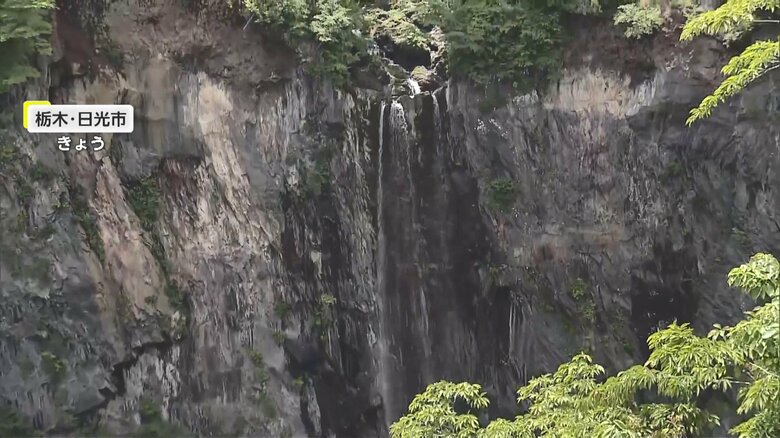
(768, 70)
(248, 21)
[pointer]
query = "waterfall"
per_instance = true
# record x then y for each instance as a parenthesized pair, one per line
(404, 332)
(414, 86)
(394, 126)
(385, 361)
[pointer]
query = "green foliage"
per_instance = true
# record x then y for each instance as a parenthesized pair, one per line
(740, 71)
(20, 226)
(175, 295)
(732, 15)
(588, 311)
(579, 290)
(262, 377)
(24, 191)
(53, 366)
(585, 305)
(323, 315)
(741, 237)
(279, 337)
(24, 30)
(83, 215)
(152, 423)
(284, 15)
(267, 406)
(40, 172)
(12, 424)
(432, 413)
(672, 170)
(334, 25)
(492, 40)
(485, 40)
(734, 18)
(144, 198)
(282, 309)
(575, 400)
(327, 300)
(148, 410)
(257, 358)
(759, 277)
(316, 178)
(502, 194)
(746, 356)
(495, 272)
(9, 155)
(639, 20)
(116, 153)
(403, 22)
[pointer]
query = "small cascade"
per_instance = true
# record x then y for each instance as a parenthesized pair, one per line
(414, 86)
(436, 124)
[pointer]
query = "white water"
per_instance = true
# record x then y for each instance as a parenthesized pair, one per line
(385, 361)
(414, 86)
(436, 124)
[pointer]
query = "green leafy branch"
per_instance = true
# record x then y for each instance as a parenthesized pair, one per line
(761, 57)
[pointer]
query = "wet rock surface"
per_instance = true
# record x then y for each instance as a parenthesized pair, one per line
(316, 257)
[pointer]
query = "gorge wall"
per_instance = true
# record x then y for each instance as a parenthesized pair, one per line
(267, 255)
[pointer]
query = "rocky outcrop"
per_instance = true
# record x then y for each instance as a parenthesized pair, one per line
(266, 255)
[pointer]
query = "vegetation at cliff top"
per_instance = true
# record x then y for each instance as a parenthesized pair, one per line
(24, 30)
(576, 400)
(640, 20)
(484, 40)
(496, 40)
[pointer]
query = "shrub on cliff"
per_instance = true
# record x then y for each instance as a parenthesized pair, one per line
(24, 30)
(573, 401)
(335, 26)
(489, 40)
(638, 20)
(486, 40)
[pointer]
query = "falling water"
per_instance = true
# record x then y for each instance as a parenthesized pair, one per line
(511, 352)
(436, 124)
(385, 361)
(414, 86)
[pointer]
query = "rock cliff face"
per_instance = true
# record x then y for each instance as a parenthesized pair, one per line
(266, 255)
